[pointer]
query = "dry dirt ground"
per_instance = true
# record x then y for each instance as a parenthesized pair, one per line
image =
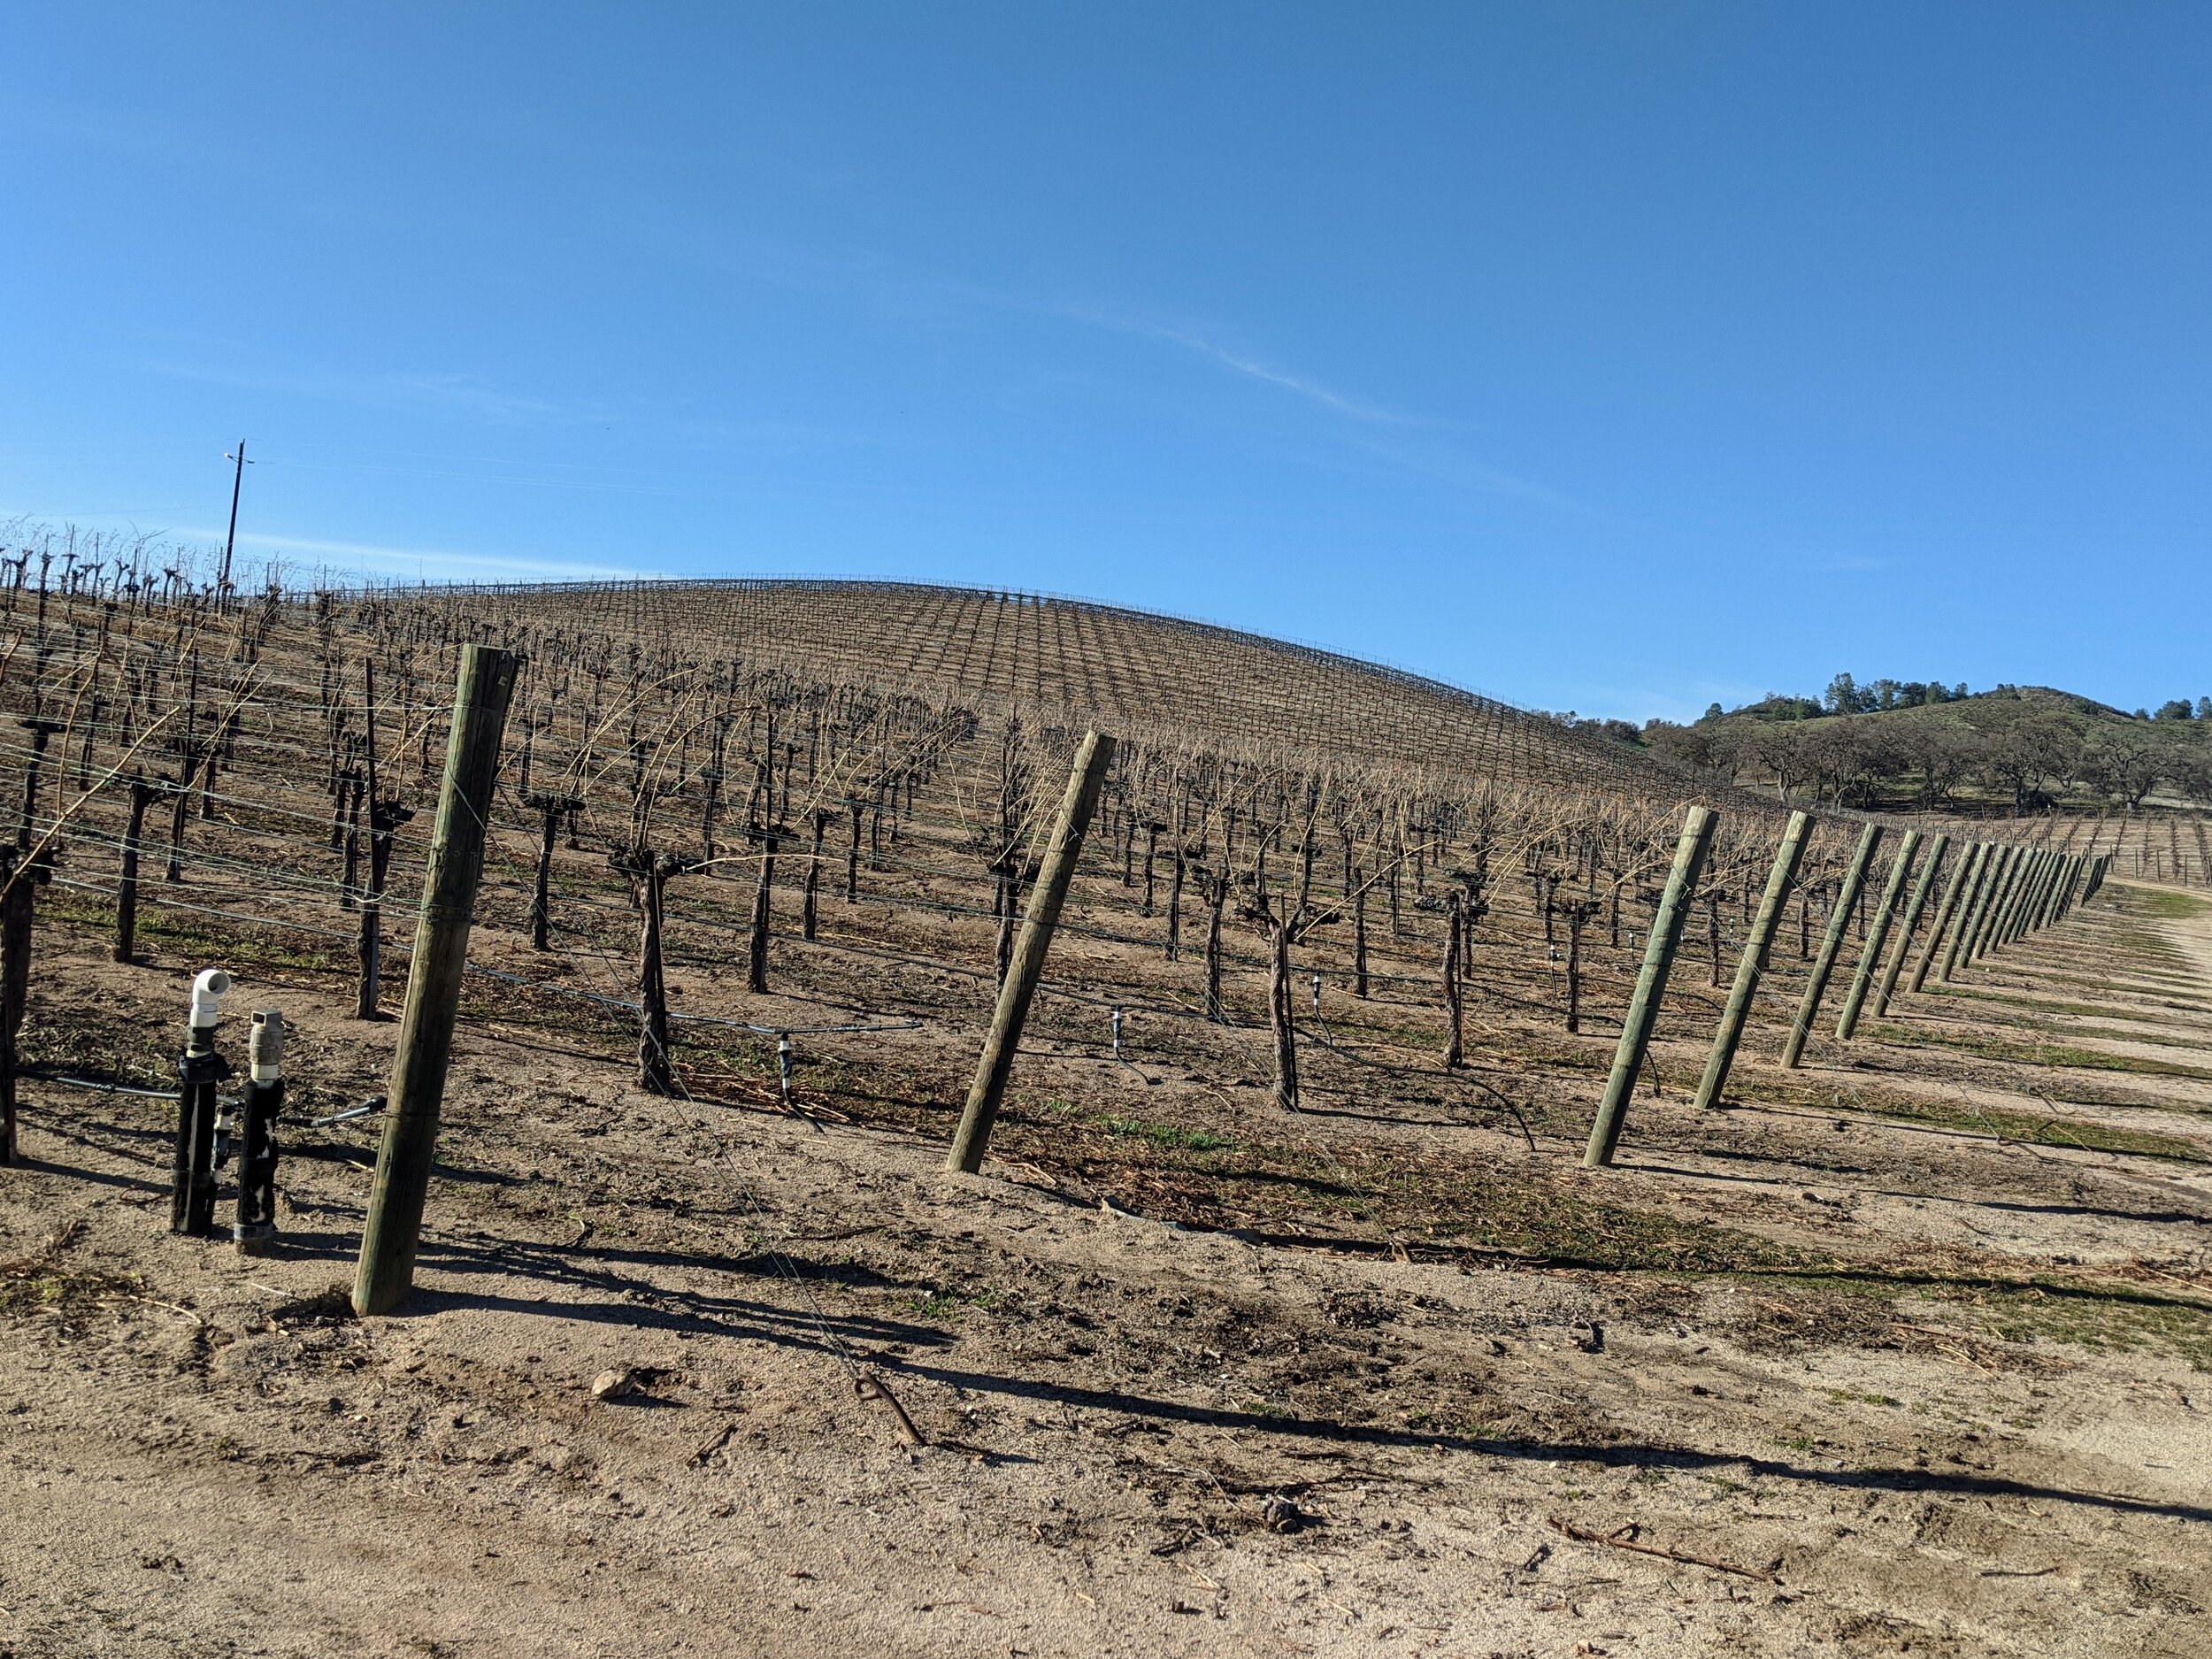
(1908, 1353)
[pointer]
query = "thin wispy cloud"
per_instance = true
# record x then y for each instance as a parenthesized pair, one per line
(444, 391)
(1285, 380)
(939, 300)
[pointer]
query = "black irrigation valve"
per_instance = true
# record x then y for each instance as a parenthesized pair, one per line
(211, 1129)
(258, 1146)
(199, 1070)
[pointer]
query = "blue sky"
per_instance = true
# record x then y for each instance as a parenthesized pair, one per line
(1618, 358)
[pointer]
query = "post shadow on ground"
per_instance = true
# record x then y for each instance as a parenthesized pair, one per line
(1619, 1455)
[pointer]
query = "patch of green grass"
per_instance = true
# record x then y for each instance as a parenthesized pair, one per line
(1846, 1396)
(1166, 1137)
(2039, 1005)
(2154, 1039)
(200, 937)
(949, 1303)
(2101, 1319)
(2041, 1130)
(2043, 1054)
(1439, 1199)
(2169, 906)
(2037, 1128)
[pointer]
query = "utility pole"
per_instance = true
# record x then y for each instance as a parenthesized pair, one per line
(230, 542)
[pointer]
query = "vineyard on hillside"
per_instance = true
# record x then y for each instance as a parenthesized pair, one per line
(844, 786)
(862, 833)
(1380, 1178)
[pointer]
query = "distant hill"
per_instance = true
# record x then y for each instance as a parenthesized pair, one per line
(1070, 658)
(2017, 748)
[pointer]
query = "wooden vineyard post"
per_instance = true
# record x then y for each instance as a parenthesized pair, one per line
(386, 1269)
(1986, 861)
(1787, 856)
(2039, 908)
(2047, 900)
(1962, 879)
(971, 1140)
(2030, 882)
(1922, 889)
(2054, 906)
(2024, 878)
(2032, 919)
(1877, 936)
(2000, 895)
(1651, 984)
(2071, 891)
(1824, 964)
(2024, 897)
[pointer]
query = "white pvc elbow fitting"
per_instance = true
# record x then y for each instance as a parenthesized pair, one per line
(207, 993)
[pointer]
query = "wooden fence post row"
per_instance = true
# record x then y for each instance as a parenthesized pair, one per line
(1877, 935)
(1920, 893)
(1824, 964)
(1787, 856)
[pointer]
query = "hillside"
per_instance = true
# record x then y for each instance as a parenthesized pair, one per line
(1078, 660)
(2015, 749)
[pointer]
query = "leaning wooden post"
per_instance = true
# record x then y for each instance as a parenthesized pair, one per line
(2046, 901)
(2023, 881)
(2024, 877)
(387, 1270)
(1984, 905)
(1963, 880)
(2067, 893)
(1921, 890)
(2039, 915)
(1830, 942)
(1878, 935)
(973, 1138)
(1992, 854)
(1651, 984)
(2001, 912)
(2031, 894)
(2031, 901)
(1787, 856)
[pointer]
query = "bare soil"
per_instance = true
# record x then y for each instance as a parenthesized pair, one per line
(1908, 1351)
